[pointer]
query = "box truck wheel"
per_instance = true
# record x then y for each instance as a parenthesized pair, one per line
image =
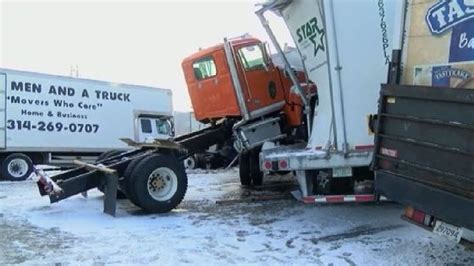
(17, 167)
(159, 183)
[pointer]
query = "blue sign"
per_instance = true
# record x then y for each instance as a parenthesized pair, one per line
(439, 78)
(441, 75)
(462, 42)
(448, 13)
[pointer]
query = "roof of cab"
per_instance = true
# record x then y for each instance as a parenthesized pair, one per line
(210, 50)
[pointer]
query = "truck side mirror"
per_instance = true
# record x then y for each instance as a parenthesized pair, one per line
(266, 56)
(171, 127)
(266, 66)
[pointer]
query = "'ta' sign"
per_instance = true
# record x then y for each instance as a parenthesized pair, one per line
(447, 13)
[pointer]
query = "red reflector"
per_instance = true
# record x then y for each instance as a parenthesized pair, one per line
(364, 147)
(418, 216)
(283, 164)
(267, 165)
(335, 198)
(361, 198)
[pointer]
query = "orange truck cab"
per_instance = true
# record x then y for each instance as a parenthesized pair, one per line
(237, 80)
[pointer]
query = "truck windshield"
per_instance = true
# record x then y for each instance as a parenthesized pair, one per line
(251, 57)
(162, 127)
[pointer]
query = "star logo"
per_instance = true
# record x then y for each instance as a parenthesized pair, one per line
(310, 32)
(317, 40)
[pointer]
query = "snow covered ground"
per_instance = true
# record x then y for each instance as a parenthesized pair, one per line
(203, 232)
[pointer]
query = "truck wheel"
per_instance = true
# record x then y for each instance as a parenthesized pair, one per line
(104, 156)
(257, 175)
(16, 167)
(190, 162)
(244, 169)
(249, 170)
(159, 183)
(126, 183)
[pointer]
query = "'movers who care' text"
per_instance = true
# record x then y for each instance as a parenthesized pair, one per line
(64, 91)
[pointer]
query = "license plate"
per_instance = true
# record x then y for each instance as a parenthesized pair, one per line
(449, 231)
(342, 172)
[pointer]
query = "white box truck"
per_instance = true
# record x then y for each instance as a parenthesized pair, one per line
(47, 119)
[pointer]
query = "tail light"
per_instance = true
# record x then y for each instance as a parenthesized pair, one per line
(267, 165)
(415, 215)
(283, 164)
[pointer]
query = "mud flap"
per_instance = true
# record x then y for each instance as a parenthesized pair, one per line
(110, 194)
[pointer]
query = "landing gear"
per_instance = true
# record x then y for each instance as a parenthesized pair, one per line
(249, 170)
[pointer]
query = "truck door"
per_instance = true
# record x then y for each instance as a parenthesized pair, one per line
(147, 131)
(3, 93)
(260, 82)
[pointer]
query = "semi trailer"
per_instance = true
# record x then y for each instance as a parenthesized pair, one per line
(346, 50)
(48, 119)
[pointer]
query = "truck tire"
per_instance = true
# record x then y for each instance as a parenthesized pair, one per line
(249, 169)
(159, 183)
(257, 175)
(16, 167)
(104, 156)
(244, 169)
(126, 183)
(190, 162)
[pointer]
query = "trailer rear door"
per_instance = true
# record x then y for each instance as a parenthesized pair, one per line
(424, 155)
(3, 116)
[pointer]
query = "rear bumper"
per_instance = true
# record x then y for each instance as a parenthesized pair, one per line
(298, 157)
(443, 205)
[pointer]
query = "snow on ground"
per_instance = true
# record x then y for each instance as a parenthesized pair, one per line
(203, 232)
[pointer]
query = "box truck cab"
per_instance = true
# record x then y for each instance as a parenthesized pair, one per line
(152, 128)
(47, 119)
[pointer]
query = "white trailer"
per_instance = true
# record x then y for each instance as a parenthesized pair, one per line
(345, 47)
(46, 119)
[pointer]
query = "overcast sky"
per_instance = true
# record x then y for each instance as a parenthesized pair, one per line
(135, 42)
